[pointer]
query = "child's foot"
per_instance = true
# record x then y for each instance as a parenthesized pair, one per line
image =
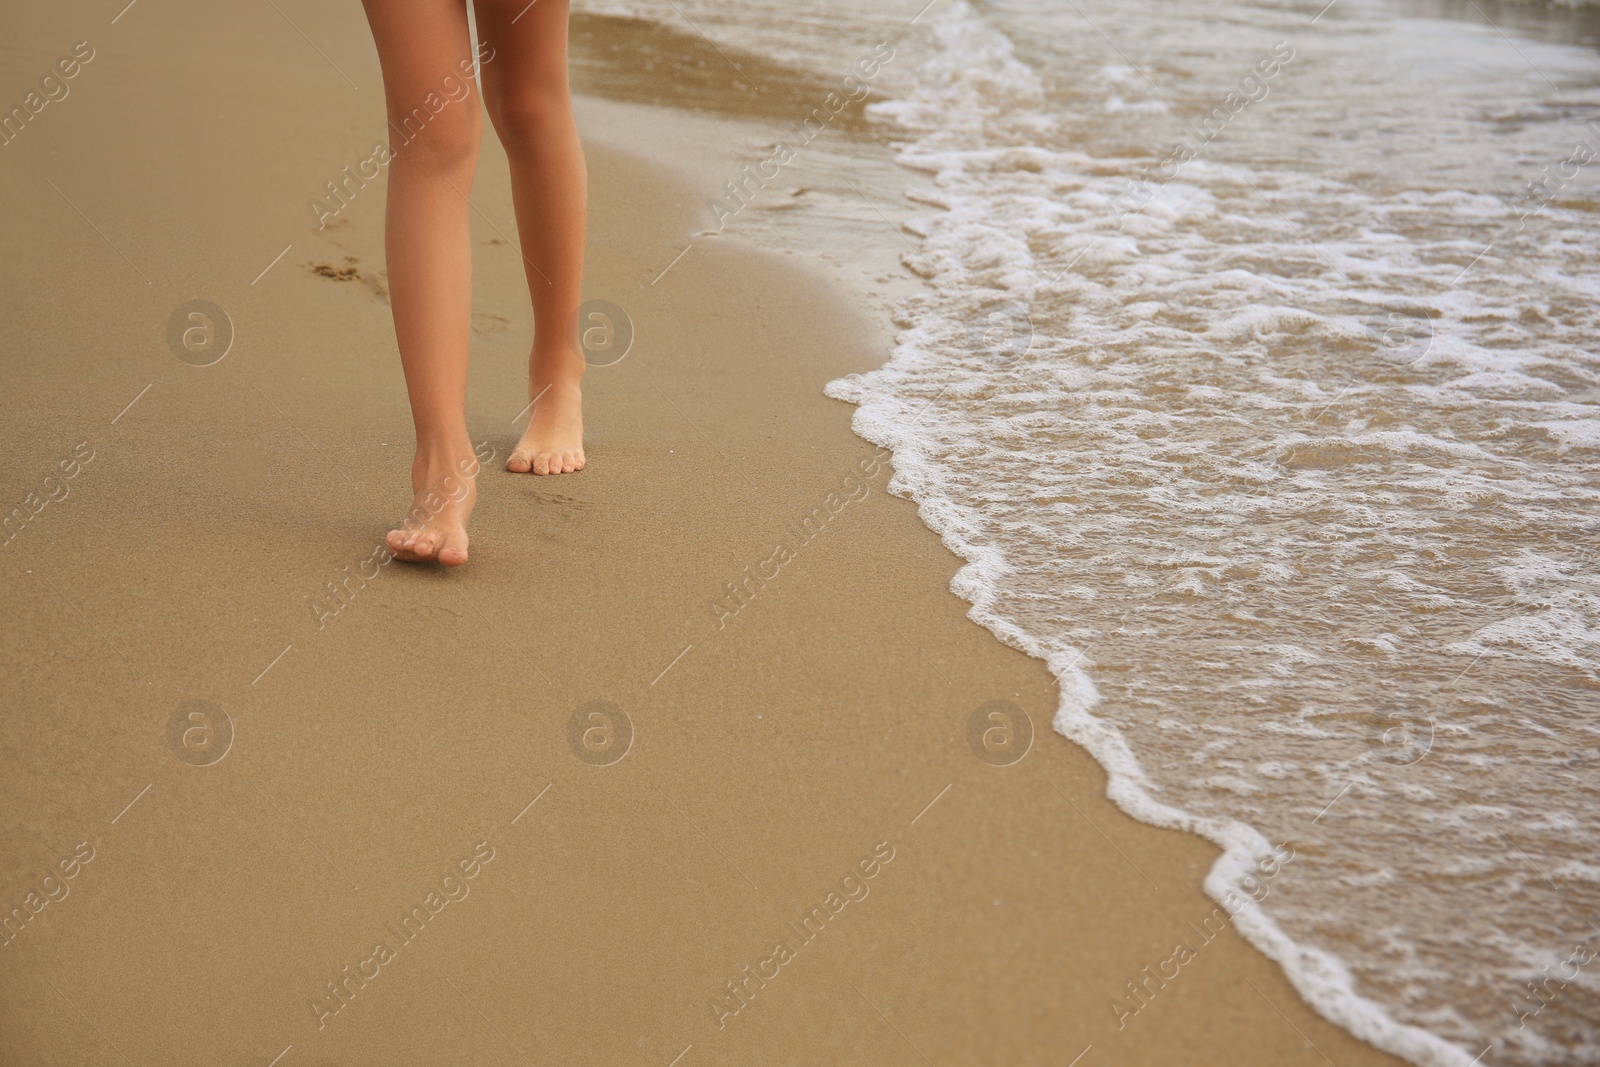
(553, 441)
(436, 527)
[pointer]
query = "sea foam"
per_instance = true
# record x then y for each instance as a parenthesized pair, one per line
(1290, 483)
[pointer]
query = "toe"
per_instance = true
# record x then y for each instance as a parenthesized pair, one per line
(541, 463)
(399, 542)
(424, 545)
(453, 553)
(519, 462)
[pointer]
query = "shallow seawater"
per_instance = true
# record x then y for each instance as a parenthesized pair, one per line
(1260, 390)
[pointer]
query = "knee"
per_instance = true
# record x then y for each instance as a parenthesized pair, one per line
(447, 140)
(526, 118)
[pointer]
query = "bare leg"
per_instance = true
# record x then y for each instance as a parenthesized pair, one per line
(422, 45)
(525, 89)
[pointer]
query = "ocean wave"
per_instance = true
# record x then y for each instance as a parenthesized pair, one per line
(1297, 519)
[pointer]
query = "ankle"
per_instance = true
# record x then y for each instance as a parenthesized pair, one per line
(544, 389)
(558, 368)
(444, 454)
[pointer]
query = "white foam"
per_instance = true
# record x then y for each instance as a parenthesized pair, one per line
(1144, 473)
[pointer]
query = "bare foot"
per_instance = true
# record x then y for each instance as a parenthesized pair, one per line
(445, 489)
(553, 441)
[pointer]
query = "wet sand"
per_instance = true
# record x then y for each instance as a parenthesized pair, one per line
(419, 761)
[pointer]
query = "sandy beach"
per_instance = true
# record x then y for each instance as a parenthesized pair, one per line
(687, 766)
